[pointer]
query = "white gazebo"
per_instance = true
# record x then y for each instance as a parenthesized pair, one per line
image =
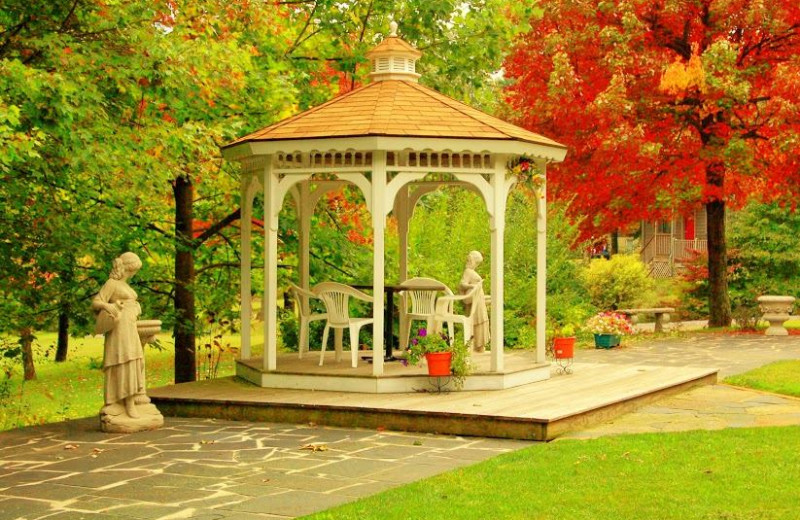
(385, 138)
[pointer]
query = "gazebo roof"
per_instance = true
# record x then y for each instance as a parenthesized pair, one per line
(394, 111)
(396, 108)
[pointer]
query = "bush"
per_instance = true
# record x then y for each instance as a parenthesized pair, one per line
(746, 316)
(619, 282)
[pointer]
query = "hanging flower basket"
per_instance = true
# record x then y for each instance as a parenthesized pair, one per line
(524, 169)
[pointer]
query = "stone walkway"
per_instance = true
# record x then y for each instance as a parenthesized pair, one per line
(708, 407)
(207, 469)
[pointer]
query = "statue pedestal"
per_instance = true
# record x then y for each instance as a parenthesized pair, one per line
(114, 419)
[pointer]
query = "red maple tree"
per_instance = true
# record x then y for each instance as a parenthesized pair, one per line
(665, 105)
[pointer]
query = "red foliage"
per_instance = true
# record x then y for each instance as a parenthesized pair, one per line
(350, 216)
(663, 104)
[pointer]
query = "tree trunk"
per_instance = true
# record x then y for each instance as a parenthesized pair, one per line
(615, 242)
(26, 340)
(719, 303)
(185, 363)
(63, 333)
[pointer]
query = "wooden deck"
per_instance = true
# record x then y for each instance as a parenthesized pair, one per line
(520, 368)
(538, 411)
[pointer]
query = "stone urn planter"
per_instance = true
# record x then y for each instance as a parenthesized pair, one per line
(776, 310)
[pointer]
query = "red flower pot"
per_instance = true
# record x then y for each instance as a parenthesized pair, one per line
(438, 363)
(564, 348)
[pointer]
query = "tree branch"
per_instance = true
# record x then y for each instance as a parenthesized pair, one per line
(216, 228)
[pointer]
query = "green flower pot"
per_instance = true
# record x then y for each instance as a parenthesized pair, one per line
(606, 340)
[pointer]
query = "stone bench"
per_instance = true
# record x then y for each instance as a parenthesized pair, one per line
(661, 314)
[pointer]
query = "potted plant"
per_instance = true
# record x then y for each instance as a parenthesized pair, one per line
(564, 342)
(607, 328)
(443, 357)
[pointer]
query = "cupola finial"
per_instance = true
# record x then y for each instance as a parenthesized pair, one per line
(393, 29)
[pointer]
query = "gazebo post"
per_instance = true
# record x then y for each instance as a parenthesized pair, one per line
(379, 205)
(497, 231)
(403, 214)
(541, 265)
(305, 210)
(248, 192)
(271, 209)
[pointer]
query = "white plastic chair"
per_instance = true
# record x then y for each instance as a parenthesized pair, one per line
(336, 297)
(445, 313)
(418, 302)
(302, 299)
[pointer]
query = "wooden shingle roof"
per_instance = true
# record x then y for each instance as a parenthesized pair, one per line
(394, 108)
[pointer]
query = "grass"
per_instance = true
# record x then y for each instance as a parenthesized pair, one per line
(74, 388)
(782, 377)
(732, 474)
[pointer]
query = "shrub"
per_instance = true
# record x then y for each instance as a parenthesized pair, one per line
(746, 316)
(619, 282)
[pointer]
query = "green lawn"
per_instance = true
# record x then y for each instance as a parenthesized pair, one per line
(732, 474)
(782, 377)
(74, 388)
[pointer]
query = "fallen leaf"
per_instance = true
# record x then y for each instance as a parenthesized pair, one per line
(314, 447)
(70, 447)
(206, 442)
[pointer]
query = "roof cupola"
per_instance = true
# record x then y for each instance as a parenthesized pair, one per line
(394, 58)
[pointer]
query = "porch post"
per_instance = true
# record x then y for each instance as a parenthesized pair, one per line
(378, 227)
(541, 266)
(498, 224)
(246, 305)
(271, 209)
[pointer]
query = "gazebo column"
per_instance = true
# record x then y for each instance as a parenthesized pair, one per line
(541, 265)
(305, 210)
(248, 192)
(379, 211)
(497, 233)
(271, 209)
(403, 214)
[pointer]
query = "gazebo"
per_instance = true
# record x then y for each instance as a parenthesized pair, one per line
(385, 138)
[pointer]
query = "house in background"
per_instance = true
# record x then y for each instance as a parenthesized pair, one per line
(667, 244)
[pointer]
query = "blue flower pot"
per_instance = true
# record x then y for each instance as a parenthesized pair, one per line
(606, 340)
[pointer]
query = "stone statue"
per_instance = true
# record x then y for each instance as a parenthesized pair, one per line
(127, 408)
(469, 279)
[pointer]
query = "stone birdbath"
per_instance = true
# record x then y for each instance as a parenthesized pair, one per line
(776, 310)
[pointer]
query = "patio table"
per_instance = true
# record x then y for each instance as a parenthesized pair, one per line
(388, 313)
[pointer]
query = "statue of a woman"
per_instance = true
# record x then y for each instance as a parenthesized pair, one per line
(116, 311)
(469, 279)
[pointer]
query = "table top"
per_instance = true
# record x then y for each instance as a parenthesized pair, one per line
(401, 287)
